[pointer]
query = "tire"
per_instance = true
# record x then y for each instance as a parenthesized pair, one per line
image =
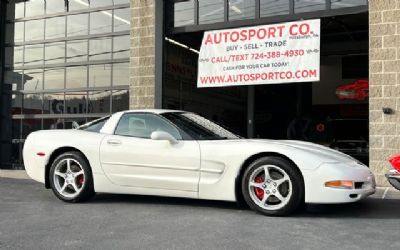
(70, 177)
(279, 195)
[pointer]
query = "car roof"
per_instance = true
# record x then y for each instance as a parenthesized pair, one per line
(155, 111)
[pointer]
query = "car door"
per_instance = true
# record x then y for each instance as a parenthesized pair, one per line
(130, 157)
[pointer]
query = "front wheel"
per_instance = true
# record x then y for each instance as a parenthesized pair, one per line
(71, 177)
(273, 186)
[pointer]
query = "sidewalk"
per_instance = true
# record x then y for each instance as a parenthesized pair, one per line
(381, 192)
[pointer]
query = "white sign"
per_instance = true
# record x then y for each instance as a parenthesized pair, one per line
(279, 53)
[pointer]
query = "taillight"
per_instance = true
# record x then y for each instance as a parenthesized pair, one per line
(40, 154)
(395, 162)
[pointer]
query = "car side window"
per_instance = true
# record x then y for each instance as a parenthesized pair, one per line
(142, 125)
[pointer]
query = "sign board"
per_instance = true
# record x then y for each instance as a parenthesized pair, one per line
(268, 54)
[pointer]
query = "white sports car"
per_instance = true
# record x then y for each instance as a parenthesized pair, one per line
(177, 153)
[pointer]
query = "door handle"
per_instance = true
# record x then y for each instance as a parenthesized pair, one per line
(114, 142)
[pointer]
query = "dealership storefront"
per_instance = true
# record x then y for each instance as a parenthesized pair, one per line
(73, 61)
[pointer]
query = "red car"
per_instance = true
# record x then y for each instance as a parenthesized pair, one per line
(357, 90)
(393, 176)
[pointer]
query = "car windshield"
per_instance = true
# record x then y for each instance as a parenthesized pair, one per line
(198, 127)
(94, 126)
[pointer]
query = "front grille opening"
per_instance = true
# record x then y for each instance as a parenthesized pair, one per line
(353, 196)
(358, 185)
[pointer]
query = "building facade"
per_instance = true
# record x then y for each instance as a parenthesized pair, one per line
(67, 62)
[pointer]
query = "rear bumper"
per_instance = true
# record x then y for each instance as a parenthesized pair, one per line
(317, 192)
(393, 178)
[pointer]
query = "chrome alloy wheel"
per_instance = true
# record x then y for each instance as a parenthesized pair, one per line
(270, 187)
(69, 178)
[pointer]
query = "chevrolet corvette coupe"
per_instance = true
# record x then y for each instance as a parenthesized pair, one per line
(181, 154)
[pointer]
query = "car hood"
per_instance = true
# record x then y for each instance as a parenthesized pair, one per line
(325, 154)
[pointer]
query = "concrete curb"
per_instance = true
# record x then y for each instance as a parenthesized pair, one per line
(13, 174)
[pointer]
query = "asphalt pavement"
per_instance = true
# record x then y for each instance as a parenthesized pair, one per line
(31, 217)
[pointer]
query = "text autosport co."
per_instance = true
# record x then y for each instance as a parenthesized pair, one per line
(260, 33)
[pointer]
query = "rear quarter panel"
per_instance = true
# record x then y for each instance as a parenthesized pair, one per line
(48, 141)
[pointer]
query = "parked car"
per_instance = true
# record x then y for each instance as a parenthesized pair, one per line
(357, 90)
(393, 176)
(177, 153)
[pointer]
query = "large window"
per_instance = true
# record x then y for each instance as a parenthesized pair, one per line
(65, 63)
(200, 12)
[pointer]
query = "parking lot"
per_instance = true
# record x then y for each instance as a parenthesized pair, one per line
(31, 217)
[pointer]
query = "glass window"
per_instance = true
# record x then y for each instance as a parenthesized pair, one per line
(120, 74)
(15, 11)
(18, 32)
(122, 19)
(34, 30)
(120, 100)
(77, 25)
(99, 102)
(198, 127)
(77, 51)
(33, 79)
(242, 9)
(13, 56)
(16, 128)
(34, 8)
(273, 8)
(30, 125)
(54, 53)
(76, 77)
(55, 27)
(116, 2)
(307, 5)
(184, 13)
(121, 47)
(73, 123)
(33, 54)
(54, 6)
(78, 5)
(54, 123)
(16, 104)
(211, 11)
(32, 104)
(100, 49)
(53, 103)
(14, 78)
(54, 78)
(100, 3)
(100, 22)
(100, 75)
(96, 125)
(142, 125)
(336, 4)
(75, 103)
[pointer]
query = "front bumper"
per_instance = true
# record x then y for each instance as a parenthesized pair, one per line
(393, 178)
(317, 192)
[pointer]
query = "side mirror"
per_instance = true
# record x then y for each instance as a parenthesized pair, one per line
(75, 125)
(163, 136)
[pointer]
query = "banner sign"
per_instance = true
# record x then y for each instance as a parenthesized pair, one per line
(279, 53)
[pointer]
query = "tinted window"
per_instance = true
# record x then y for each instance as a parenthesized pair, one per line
(199, 128)
(94, 126)
(142, 125)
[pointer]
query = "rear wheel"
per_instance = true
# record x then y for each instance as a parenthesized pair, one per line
(71, 177)
(273, 186)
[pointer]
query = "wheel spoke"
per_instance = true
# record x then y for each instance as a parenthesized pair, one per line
(68, 165)
(76, 189)
(279, 196)
(255, 184)
(282, 180)
(58, 173)
(64, 187)
(266, 173)
(265, 198)
(78, 173)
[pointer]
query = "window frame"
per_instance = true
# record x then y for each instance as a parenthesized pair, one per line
(184, 136)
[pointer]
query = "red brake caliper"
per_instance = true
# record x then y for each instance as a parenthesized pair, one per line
(259, 192)
(80, 179)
